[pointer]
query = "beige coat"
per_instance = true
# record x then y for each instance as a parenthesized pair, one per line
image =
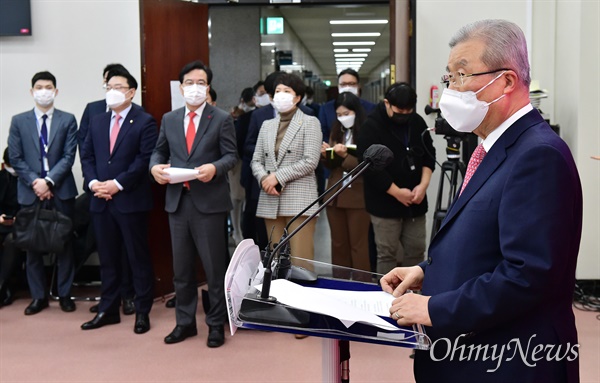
(299, 154)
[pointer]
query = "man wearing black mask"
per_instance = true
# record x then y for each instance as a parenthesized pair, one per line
(395, 197)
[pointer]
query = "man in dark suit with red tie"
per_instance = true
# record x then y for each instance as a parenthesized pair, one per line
(202, 137)
(115, 158)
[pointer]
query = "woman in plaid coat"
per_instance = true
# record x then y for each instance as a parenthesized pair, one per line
(284, 162)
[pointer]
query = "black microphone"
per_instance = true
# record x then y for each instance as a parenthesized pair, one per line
(376, 157)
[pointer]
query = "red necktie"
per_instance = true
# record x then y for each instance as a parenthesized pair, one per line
(114, 132)
(474, 162)
(190, 134)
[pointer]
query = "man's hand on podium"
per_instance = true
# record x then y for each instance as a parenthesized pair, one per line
(401, 279)
(411, 309)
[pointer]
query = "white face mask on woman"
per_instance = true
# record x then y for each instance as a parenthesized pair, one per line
(347, 121)
(283, 102)
(463, 111)
(44, 97)
(195, 94)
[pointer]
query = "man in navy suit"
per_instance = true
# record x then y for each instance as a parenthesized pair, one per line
(498, 285)
(252, 226)
(115, 158)
(42, 145)
(93, 109)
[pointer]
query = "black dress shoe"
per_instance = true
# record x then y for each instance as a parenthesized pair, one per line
(171, 303)
(6, 297)
(36, 306)
(216, 336)
(128, 307)
(101, 319)
(94, 308)
(180, 333)
(142, 323)
(66, 304)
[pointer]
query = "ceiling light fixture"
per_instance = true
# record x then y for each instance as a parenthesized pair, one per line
(341, 50)
(361, 50)
(357, 43)
(357, 34)
(351, 55)
(267, 44)
(342, 22)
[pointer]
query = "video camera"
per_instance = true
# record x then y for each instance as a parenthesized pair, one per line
(442, 127)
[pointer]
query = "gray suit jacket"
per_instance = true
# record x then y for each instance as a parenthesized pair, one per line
(24, 153)
(299, 154)
(214, 143)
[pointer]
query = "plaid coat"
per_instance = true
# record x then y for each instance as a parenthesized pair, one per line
(299, 154)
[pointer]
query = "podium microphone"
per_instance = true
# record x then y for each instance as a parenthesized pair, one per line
(376, 157)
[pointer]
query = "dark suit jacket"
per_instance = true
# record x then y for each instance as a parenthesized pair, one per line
(502, 265)
(257, 118)
(24, 153)
(92, 109)
(214, 143)
(128, 163)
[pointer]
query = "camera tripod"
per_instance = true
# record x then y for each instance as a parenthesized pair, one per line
(450, 171)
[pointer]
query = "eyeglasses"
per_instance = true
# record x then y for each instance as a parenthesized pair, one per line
(458, 79)
(342, 84)
(191, 82)
(116, 87)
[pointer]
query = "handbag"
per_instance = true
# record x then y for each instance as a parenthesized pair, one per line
(42, 230)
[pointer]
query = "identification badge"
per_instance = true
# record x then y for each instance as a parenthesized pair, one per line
(347, 180)
(46, 167)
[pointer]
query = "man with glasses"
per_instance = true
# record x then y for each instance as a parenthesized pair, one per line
(93, 109)
(498, 284)
(202, 137)
(114, 158)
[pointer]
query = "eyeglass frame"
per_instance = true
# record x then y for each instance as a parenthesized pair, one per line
(446, 77)
(108, 88)
(190, 82)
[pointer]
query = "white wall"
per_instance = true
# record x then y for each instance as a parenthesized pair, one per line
(74, 40)
(564, 45)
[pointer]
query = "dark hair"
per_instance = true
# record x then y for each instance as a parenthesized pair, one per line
(351, 72)
(114, 66)
(258, 85)
(401, 95)
(309, 92)
(195, 65)
(122, 73)
(352, 102)
(43, 76)
(213, 94)
(5, 157)
(292, 81)
(270, 82)
(247, 95)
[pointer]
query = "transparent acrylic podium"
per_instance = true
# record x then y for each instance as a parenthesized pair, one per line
(248, 310)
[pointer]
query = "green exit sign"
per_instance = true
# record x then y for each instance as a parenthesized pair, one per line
(274, 25)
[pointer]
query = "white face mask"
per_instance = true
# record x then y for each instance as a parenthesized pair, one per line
(114, 98)
(463, 111)
(351, 89)
(245, 107)
(10, 170)
(44, 97)
(263, 100)
(347, 121)
(195, 94)
(283, 102)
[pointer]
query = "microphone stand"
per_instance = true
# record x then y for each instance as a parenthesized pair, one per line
(266, 286)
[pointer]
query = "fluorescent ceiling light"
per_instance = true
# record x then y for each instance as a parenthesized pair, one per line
(349, 59)
(267, 44)
(358, 43)
(357, 34)
(358, 22)
(361, 50)
(341, 50)
(351, 55)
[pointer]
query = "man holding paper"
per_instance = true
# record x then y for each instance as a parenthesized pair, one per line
(202, 137)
